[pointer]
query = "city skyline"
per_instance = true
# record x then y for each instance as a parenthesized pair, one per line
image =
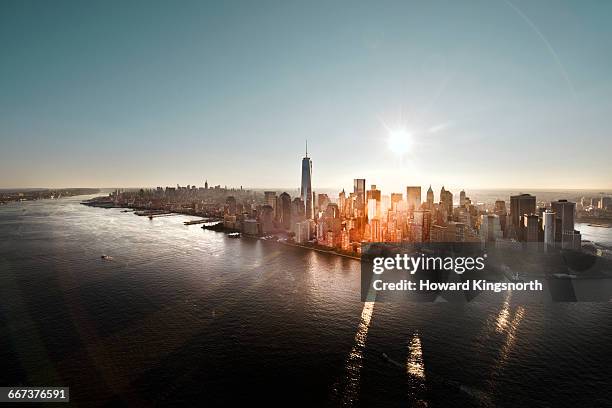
(495, 95)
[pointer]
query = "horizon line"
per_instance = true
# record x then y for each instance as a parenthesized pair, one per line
(548, 189)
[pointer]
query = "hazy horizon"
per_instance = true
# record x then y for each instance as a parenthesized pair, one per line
(485, 94)
(436, 188)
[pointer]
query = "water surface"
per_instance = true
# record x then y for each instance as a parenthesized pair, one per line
(186, 315)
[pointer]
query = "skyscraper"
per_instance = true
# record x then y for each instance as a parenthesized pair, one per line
(500, 210)
(284, 210)
(520, 205)
(531, 223)
(270, 198)
(306, 188)
(396, 198)
(360, 199)
(490, 228)
(565, 211)
(342, 202)
(430, 198)
(413, 195)
(446, 202)
(420, 226)
(374, 194)
(549, 229)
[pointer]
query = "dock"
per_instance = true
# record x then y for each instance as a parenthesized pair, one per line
(193, 222)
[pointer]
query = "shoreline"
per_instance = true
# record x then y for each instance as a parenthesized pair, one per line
(299, 246)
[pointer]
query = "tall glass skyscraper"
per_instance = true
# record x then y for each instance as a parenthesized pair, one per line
(306, 190)
(360, 196)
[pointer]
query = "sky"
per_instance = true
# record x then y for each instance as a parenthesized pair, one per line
(474, 94)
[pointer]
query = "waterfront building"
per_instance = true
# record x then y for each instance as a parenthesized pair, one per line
(549, 229)
(302, 231)
(250, 227)
(306, 186)
(266, 219)
(297, 210)
(270, 199)
(565, 212)
(284, 210)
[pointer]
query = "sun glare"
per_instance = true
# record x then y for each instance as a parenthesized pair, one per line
(400, 141)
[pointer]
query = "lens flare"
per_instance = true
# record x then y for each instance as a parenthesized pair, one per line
(400, 141)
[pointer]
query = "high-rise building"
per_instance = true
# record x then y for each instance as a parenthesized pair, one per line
(270, 199)
(266, 219)
(549, 229)
(430, 198)
(372, 209)
(374, 194)
(413, 195)
(500, 211)
(446, 202)
(306, 188)
(565, 211)
(520, 205)
(395, 199)
(359, 190)
(322, 201)
(462, 198)
(531, 224)
(490, 228)
(284, 210)
(421, 225)
(342, 202)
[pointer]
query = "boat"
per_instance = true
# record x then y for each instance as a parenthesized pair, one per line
(234, 235)
(107, 257)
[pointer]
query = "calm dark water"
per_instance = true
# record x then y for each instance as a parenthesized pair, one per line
(187, 316)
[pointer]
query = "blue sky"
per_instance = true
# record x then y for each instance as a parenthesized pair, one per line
(492, 93)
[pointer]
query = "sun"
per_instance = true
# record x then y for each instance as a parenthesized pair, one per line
(400, 141)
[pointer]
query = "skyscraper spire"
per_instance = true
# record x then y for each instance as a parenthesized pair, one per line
(306, 188)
